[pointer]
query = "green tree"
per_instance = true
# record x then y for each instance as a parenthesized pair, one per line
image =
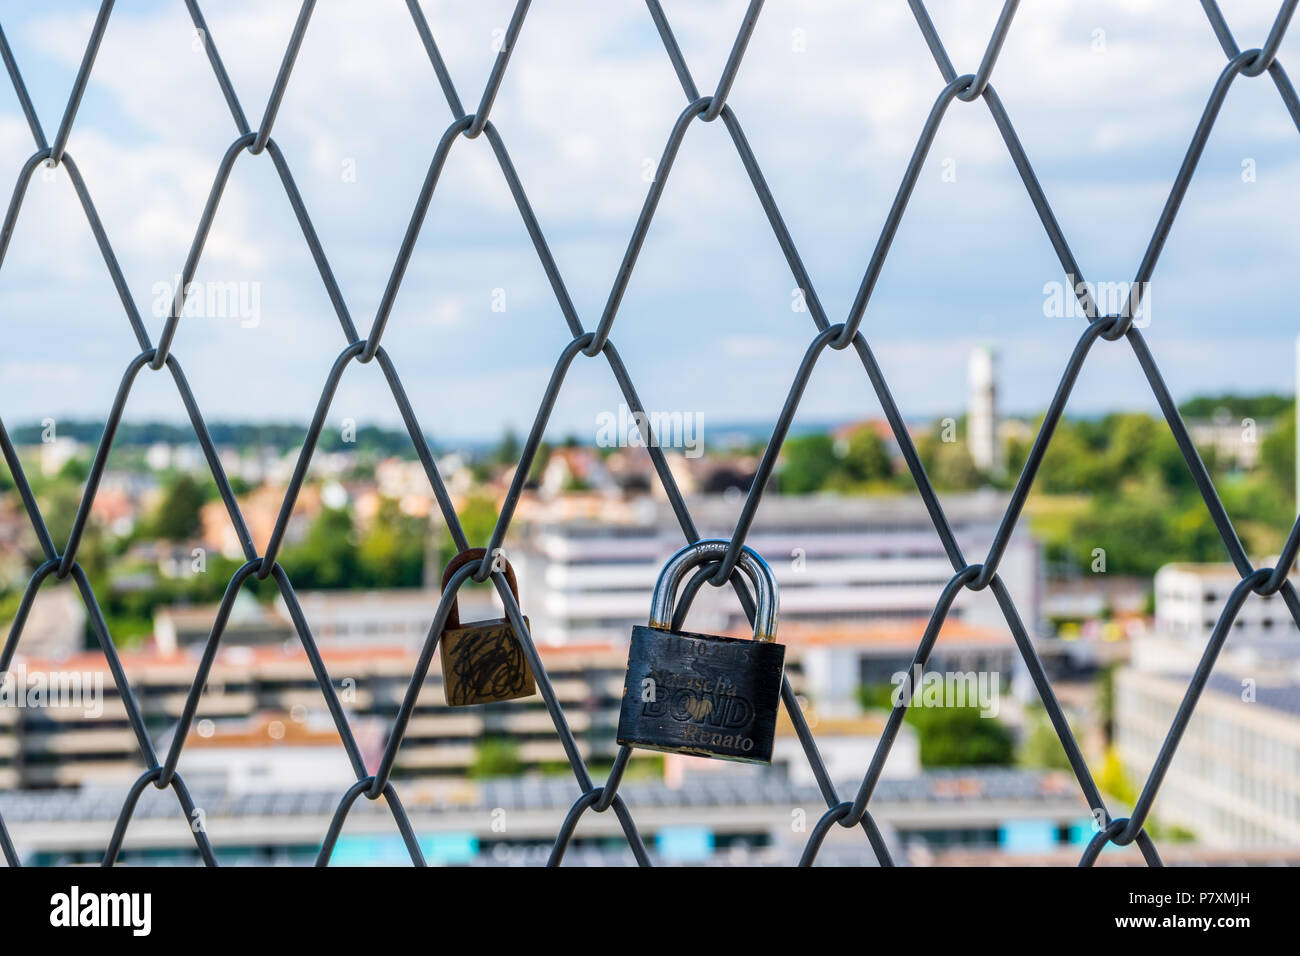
(949, 465)
(949, 736)
(1017, 453)
(178, 515)
(1132, 435)
(808, 462)
(327, 557)
(1165, 458)
(478, 517)
(1277, 454)
(1238, 406)
(867, 458)
(1070, 463)
(507, 452)
(75, 470)
(495, 757)
(961, 737)
(391, 553)
(539, 463)
(1041, 747)
(58, 502)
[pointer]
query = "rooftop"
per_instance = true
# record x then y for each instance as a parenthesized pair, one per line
(740, 789)
(904, 634)
(1276, 692)
(830, 511)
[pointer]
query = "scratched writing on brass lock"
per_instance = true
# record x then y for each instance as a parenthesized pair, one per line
(485, 663)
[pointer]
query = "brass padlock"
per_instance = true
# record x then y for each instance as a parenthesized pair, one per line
(696, 693)
(482, 662)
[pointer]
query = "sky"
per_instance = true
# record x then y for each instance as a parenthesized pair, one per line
(832, 96)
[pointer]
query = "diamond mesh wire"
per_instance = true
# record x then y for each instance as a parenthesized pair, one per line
(61, 564)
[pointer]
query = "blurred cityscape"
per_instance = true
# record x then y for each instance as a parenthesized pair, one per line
(1117, 571)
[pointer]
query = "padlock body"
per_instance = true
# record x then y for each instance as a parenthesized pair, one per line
(483, 663)
(702, 695)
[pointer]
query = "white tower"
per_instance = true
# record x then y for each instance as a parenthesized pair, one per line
(982, 412)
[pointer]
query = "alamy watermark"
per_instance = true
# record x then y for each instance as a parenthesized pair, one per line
(240, 300)
(982, 689)
(133, 911)
(77, 690)
(627, 429)
(1081, 299)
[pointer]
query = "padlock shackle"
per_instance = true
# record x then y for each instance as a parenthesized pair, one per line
(713, 549)
(458, 562)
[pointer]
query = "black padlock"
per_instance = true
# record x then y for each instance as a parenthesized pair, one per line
(700, 694)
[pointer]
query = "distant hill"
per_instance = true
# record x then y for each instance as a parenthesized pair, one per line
(279, 435)
(1237, 406)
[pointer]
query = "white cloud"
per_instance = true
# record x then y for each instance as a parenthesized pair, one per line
(589, 97)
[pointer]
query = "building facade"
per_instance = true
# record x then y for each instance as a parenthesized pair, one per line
(1190, 598)
(264, 699)
(850, 560)
(1235, 779)
(718, 819)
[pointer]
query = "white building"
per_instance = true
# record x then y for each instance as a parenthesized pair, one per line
(1234, 442)
(57, 452)
(1189, 600)
(1235, 778)
(849, 560)
(399, 616)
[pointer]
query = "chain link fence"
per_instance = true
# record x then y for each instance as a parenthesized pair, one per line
(61, 563)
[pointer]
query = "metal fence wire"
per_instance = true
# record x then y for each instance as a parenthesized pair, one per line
(162, 771)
